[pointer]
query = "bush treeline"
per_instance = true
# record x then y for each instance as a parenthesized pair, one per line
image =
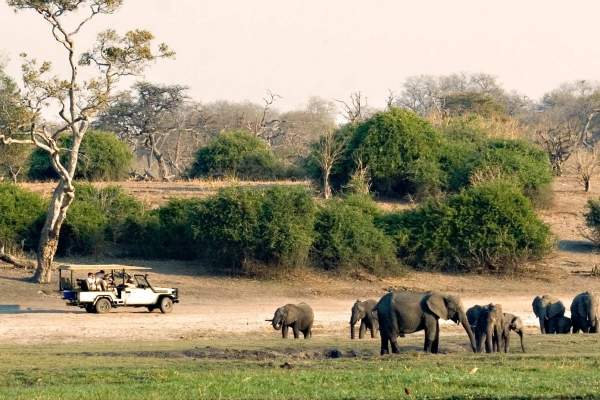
(486, 227)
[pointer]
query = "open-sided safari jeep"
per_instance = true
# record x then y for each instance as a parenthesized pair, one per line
(123, 290)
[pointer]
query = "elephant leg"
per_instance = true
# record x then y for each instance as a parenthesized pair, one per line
(394, 343)
(362, 330)
(284, 331)
(542, 325)
(296, 330)
(374, 329)
(384, 344)
(430, 334)
(436, 342)
(507, 342)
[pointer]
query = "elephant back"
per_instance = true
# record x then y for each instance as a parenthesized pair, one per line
(306, 315)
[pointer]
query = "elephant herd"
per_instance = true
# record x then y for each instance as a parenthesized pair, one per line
(487, 326)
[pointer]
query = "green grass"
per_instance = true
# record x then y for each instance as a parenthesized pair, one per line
(245, 368)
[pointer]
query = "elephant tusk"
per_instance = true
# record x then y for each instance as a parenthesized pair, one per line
(269, 320)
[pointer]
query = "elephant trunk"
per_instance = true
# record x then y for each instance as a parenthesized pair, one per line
(277, 323)
(352, 334)
(520, 333)
(465, 323)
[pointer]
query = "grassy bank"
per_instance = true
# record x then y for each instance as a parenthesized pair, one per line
(555, 366)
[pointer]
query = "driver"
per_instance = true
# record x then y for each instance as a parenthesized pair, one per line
(130, 283)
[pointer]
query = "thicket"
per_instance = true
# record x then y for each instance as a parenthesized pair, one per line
(592, 221)
(103, 157)
(404, 154)
(489, 227)
(19, 209)
(238, 154)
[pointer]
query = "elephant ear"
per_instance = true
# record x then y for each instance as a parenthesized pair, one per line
(436, 303)
(537, 306)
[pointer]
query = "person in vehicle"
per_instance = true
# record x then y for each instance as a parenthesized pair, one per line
(101, 283)
(91, 281)
(130, 283)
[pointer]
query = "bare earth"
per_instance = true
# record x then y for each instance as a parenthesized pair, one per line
(216, 306)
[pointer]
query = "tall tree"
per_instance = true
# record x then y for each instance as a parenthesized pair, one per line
(112, 57)
(146, 119)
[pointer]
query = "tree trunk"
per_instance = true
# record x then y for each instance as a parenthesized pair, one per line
(163, 169)
(326, 185)
(586, 183)
(62, 199)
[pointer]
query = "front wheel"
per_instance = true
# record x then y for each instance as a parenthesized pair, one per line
(166, 305)
(103, 306)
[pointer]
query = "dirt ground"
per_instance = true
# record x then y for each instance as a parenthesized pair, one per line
(218, 306)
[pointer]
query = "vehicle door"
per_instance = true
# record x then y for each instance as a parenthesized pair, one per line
(142, 294)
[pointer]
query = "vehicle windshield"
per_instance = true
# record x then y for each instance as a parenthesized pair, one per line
(141, 281)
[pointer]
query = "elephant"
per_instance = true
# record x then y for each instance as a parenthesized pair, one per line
(562, 325)
(549, 310)
(487, 323)
(512, 323)
(299, 316)
(364, 311)
(409, 312)
(585, 312)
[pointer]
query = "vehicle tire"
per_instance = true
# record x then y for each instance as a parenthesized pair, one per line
(90, 308)
(103, 306)
(166, 305)
(151, 308)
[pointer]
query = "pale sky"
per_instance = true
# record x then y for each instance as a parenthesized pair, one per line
(237, 49)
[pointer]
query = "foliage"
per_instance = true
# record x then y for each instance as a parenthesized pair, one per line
(236, 154)
(14, 161)
(347, 238)
(400, 151)
(489, 227)
(96, 220)
(19, 209)
(592, 221)
(273, 226)
(102, 157)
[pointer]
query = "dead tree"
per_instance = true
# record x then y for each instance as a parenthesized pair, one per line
(329, 150)
(355, 110)
(264, 126)
(78, 100)
(586, 161)
(559, 141)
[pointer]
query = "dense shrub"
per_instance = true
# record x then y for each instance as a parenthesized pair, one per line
(347, 238)
(400, 150)
(96, 219)
(236, 154)
(102, 157)
(19, 209)
(272, 226)
(592, 221)
(489, 227)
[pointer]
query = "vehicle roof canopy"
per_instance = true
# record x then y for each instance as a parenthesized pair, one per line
(99, 267)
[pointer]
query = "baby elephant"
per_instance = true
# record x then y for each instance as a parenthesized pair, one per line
(299, 316)
(487, 323)
(512, 323)
(364, 311)
(562, 325)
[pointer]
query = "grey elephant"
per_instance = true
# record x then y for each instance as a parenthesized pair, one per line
(585, 313)
(298, 316)
(409, 312)
(364, 311)
(512, 323)
(487, 323)
(562, 326)
(549, 310)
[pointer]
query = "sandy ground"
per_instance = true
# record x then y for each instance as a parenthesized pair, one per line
(216, 306)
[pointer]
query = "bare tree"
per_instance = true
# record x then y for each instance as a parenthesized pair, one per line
(113, 57)
(266, 126)
(146, 120)
(559, 141)
(329, 150)
(586, 161)
(356, 109)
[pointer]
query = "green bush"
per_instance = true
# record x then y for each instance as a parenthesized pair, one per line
(347, 238)
(102, 157)
(400, 150)
(489, 227)
(272, 226)
(236, 154)
(19, 210)
(96, 220)
(592, 221)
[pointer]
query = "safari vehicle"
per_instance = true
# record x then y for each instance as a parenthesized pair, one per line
(127, 287)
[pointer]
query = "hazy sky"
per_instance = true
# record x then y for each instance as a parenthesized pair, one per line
(237, 49)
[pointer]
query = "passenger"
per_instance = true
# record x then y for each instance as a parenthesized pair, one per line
(91, 282)
(130, 283)
(100, 281)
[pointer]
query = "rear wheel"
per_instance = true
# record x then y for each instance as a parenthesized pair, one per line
(103, 306)
(166, 305)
